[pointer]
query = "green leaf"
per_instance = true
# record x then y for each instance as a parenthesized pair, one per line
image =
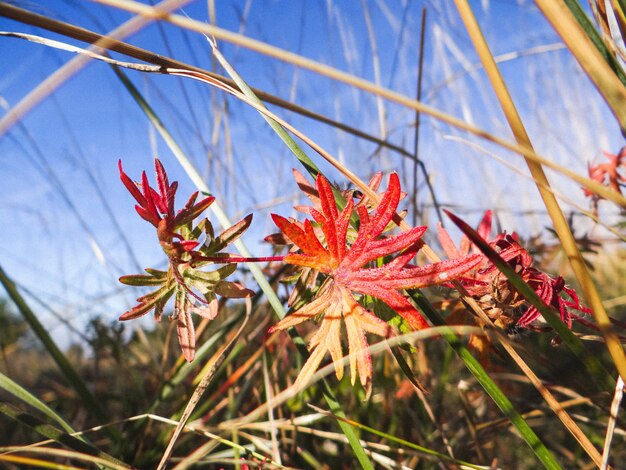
(205, 281)
(232, 290)
(142, 280)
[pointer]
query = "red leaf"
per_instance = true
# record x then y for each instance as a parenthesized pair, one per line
(349, 271)
(186, 335)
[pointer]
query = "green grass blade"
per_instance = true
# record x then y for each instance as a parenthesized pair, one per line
(21, 393)
(88, 400)
(492, 389)
(291, 144)
(57, 435)
(308, 164)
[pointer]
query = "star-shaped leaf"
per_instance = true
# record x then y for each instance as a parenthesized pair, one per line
(349, 272)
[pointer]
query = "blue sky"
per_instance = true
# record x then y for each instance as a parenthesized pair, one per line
(60, 242)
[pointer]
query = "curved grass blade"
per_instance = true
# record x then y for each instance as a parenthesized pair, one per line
(278, 129)
(20, 392)
(57, 435)
(62, 74)
(30, 462)
(9, 454)
(33, 462)
(528, 153)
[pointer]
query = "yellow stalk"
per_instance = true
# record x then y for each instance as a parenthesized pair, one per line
(588, 56)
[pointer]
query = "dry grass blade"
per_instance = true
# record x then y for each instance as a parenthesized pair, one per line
(610, 429)
(59, 77)
(587, 55)
(560, 222)
(202, 386)
(620, 16)
(54, 452)
(269, 392)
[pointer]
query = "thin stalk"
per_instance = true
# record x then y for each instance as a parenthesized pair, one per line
(240, 259)
(417, 163)
(610, 428)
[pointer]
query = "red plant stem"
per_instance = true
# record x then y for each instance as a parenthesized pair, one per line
(240, 259)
